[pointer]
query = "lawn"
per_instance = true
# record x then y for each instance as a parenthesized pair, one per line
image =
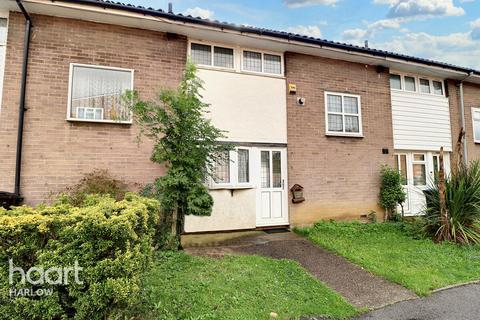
(389, 250)
(181, 286)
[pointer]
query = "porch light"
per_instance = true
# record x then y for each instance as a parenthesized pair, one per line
(297, 193)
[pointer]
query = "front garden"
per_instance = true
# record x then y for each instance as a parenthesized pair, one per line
(390, 250)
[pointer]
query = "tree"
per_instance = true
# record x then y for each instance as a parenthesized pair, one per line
(185, 142)
(391, 190)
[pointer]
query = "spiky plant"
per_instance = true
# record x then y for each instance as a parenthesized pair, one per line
(462, 198)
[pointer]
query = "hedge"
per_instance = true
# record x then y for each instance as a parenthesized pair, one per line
(111, 240)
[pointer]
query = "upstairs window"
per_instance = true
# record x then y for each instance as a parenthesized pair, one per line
(395, 82)
(410, 84)
(476, 124)
(424, 86)
(343, 114)
(262, 62)
(208, 55)
(96, 93)
(437, 88)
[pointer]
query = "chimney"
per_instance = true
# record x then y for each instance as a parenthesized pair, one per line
(170, 7)
(366, 44)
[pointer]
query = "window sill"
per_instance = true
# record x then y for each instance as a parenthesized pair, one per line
(252, 73)
(100, 121)
(231, 187)
(344, 135)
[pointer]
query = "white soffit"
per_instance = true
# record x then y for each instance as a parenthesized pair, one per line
(199, 32)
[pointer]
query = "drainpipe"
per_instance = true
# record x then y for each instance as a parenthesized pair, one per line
(23, 85)
(462, 115)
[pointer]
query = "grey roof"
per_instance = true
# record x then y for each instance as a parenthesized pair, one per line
(271, 33)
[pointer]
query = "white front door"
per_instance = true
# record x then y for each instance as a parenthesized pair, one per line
(419, 171)
(272, 206)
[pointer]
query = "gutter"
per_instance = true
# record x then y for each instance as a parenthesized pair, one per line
(23, 86)
(288, 37)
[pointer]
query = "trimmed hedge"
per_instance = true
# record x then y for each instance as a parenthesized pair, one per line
(111, 240)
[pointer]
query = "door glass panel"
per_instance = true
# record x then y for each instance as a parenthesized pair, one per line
(419, 177)
(435, 168)
(418, 157)
(277, 169)
(401, 166)
(265, 169)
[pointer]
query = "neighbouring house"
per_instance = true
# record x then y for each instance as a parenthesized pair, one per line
(320, 115)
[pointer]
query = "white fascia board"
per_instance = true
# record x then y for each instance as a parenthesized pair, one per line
(200, 32)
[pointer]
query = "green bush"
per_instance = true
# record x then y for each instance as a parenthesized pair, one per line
(111, 240)
(391, 191)
(462, 198)
(99, 182)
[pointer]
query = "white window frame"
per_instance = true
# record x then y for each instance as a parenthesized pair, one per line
(473, 111)
(343, 114)
(401, 81)
(212, 54)
(399, 165)
(4, 15)
(263, 53)
(233, 170)
(70, 83)
(417, 84)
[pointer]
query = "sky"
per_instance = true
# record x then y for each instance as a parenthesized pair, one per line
(442, 30)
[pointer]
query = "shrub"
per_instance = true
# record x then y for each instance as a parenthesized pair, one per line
(391, 191)
(462, 199)
(111, 240)
(99, 182)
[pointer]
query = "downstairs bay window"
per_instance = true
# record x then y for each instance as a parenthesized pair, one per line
(95, 94)
(232, 170)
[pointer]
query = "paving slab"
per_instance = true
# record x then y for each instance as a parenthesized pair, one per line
(458, 303)
(359, 287)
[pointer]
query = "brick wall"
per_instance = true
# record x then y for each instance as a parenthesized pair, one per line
(340, 175)
(56, 153)
(471, 96)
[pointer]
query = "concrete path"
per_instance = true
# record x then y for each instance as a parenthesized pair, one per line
(359, 287)
(460, 303)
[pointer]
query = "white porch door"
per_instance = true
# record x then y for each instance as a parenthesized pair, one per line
(419, 170)
(272, 206)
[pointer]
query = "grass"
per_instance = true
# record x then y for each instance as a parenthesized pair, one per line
(181, 286)
(389, 250)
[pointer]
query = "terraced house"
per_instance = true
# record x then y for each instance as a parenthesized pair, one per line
(303, 112)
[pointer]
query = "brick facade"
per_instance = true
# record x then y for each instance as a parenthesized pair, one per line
(57, 153)
(340, 174)
(471, 98)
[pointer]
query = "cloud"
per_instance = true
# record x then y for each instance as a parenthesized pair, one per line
(356, 35)
(309, 3)
(475, 34)
(421, 8)
(311, 31)
(389, 2)
(455, 48)
(199, 12)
